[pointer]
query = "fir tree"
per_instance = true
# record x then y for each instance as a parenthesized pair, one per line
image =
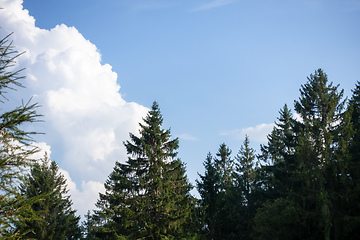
(209, 187)
(225, 166)
(279, 153)
(245, 192)
(350, 202)
(56, 218)
(148, 196)
(321, 109)
(245, 167)
(278, 216)
(15, 145)
(308, 179)
(217, 188)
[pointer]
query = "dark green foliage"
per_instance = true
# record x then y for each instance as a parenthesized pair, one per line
(308, 183)
(224, 166)
(245, 167)
(310, 168)
(245, 190)
(15, 146)
(280, 172)
(351, 188)
(88, 226)
(56, 219)
(209, 187)
(277, 220)
(321, 108)
(226, 191)
(148, 196)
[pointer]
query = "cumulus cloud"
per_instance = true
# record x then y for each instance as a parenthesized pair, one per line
(83, 200)
(213, 4)
(258, 133)
(85, 117)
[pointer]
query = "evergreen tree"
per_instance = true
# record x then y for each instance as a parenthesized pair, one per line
(321, 109)
(279, 153)
(243, 194)
(281, 141)
(88, 226)
(218, 195)
(15, 145)
(225, 166)
(245, 167)
(148, 196)
(56, 219)
(117, 212)
(279, 217)
(209, 187)
(351, 189)
(309, 177)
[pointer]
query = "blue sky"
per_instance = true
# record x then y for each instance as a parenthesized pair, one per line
(219, 69)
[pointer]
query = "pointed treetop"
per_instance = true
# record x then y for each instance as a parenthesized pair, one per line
(319, 98)
(223, 152)
(154, 117)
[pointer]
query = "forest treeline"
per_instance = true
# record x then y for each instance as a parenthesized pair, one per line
(304, 183)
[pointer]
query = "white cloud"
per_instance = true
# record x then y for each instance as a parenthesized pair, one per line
(213, 4)
(43, 149)
(258, 133)
(187, 136)
(86, 118)
(85, 199)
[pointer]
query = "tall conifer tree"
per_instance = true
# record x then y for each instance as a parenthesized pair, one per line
(148, 196)
(245, 166)
(310, 171)
(279, 153)
(225, 166)
(216, 189)
(209, 187)
(321, 109)
(244, 192)
(351, 201)
(56, 218)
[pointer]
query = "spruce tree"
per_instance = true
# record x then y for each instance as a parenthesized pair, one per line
(245, 167)
(225, 166)
(278, 216)
(215, 188)
(148, 196)
(350, 203)
(309, 178)
(56, 219)
(15, 145)
(279, 154)
(244, 192)
(321, 109)
(209, 187)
